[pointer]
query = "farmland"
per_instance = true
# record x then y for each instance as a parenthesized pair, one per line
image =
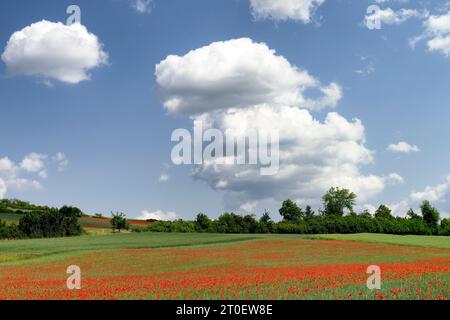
(92, 225)
(220, 266)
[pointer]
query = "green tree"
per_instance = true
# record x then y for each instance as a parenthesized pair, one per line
(445, 227)
(309, 213)
(119, 222)
(265, 218)
(430, 215)
(366, 214)
(412, 215)
(383, 212)
(336, 200)
(265, 223)
(202, 222)
(290, 211)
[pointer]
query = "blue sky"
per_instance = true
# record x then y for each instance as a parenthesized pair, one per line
(114, 129)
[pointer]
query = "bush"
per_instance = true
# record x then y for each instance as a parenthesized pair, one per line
(9, 231)
(51, 223)
(179, 226)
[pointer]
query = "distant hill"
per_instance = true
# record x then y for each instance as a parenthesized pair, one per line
(11, 210)
(15, 206)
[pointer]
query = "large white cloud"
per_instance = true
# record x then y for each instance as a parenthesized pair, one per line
(54, 51)
(240, 85)
(237, 74)
(281, 10)
(314, 156)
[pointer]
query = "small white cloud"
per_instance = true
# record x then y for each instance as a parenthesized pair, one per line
(403, 147)
(433, 193)
(249, 206)
(158, 215)
(10, 173)
(142, 6)
(282, 10)
(390, 17)
(7, 166)
(221, 184)
(43, 174)
(61, 160)
(437, 34)
(395, 178)
(163, 178)
(51, 50)
(34, 162)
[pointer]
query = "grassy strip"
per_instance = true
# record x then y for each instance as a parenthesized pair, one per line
(439, 242)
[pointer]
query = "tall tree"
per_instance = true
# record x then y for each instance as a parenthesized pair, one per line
(290, 211)
(309, 213)
(430, 215)
(336, 200)
(265, 218)
(412, 215)
(202, 222)
(383, 212)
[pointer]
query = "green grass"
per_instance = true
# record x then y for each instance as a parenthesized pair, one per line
(416, 241)
(53, 249)
(45, 249)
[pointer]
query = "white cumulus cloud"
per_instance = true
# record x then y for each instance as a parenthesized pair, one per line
(314, 156)
(237, 86)
(52, 50)
(391, 17)
(403, 147)
(237, 74)
(20, 176)
(436, 34)
(34, 162)
(433, 193)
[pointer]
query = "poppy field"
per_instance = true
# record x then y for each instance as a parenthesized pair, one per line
(174, 266)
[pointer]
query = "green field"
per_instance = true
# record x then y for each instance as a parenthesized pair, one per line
(226, 266)
(418, 241)
(43, 249)
(51, 249)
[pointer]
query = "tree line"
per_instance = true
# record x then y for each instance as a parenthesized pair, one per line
(48, 223)
(337, 216)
